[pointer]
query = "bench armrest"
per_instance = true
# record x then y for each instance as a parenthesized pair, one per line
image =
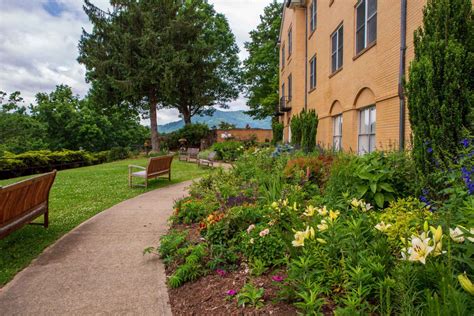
(135, 166)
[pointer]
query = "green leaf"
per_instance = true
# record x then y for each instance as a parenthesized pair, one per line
(373, 187)
(387, 187)
(361, 190)
(379, 199)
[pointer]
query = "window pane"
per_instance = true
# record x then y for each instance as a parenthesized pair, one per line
(372, 29)
(360, 39)
(372, 7)
(361, 14)
(373, 145)
(337, 143)
(363, 144)
(339, 58)
(334, 42)
(373, 120)
(334, 62)
(364, 122)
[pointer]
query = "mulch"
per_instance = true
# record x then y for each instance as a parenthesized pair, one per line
(208, 295)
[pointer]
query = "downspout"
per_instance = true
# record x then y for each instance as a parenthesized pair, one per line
(306, 59)
(401, 75)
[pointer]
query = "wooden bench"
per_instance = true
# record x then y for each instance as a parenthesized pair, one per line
(157, 166)
(209, 160)
(190, 153)
(22, 202)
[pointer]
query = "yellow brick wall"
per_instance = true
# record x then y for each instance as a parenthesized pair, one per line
(366, 79)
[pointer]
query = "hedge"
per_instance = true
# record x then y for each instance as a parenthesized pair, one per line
(32, 162)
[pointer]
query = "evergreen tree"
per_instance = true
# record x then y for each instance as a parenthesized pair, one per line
(261, 66)
(440, 94)
(126, 53)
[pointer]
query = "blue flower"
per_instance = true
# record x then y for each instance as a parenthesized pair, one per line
(465, 142)
(429, 150)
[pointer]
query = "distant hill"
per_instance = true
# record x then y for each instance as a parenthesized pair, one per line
(238, 118)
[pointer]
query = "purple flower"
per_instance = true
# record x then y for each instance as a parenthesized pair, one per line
(277, 278)
(429, 150)
(231, 292)
(221, 272)
(465, 142)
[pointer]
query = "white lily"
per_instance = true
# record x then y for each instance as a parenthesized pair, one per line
(323, 211)
(420, 249)
(355, 202)
(299, 239)
(456, 235)
(323, 226)
(382, 226)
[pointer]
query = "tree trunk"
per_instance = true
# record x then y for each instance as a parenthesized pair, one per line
(155, 141)
(186, 116)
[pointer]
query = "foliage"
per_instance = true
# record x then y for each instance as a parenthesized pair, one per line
(277, 129)
(226, 126)
(440, 96)
(190, 210)
(193, 133)
(249, 295)
(262, 242)
(315, 169)
(261, 66)
(202, 68)
(303, 130)
(192, 268)
(228, 150)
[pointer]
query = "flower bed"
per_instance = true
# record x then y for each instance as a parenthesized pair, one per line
(334, 234)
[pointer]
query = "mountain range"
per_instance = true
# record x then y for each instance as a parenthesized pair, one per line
(238, 118)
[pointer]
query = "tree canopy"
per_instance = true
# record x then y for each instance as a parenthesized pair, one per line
(261, 66)
(204, 69)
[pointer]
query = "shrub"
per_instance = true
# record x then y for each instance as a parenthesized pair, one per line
(118, 153)
(262, 242)
(303, 130)
(277, 129)
(315, 169)
(192, 210)
(228, 150)
(193, 133)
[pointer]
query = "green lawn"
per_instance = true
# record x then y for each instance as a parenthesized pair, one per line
(77, 195)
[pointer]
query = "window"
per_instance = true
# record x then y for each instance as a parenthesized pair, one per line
(290, 41)
(313, 11)
(366, 28)
(290, 86)
(367, 121)
(282, 56)
(283, 90)
(312, 73)
(337, 41)
(337, 133)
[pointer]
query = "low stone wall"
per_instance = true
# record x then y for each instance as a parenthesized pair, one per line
(261, 135)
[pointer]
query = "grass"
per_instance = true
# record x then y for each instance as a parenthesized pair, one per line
(77, 195)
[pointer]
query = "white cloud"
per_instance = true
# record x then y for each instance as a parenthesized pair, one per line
(39, 49)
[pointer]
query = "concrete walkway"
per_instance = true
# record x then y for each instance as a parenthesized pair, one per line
(99, 268)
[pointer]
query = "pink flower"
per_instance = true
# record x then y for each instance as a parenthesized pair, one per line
(277, 278)
(264, 232)
(231, 292)
(221, 272)
(250, 228)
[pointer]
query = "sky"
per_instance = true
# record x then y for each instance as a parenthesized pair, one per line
(38, 44)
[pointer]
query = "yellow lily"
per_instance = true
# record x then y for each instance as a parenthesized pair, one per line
(323, 211)
(299, 239)
(333, 215)
(309, 211)
(323, 226)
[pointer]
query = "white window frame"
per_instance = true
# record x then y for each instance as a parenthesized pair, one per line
(339, 48)
(337, 132)
(312, 73)
(369, 135)
(365, 24)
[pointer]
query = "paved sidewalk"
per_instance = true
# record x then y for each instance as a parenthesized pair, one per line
(99, 268)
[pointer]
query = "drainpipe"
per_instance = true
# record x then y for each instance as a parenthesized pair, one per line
(401, 75)
(306, 58)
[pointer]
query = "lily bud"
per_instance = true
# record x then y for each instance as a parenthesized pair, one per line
(425, 227)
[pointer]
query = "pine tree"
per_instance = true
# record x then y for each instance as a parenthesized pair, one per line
(440, 94)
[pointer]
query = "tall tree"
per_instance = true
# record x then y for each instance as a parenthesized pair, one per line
(441, 78)
(204, 68)
(261, 66)
(126, 53)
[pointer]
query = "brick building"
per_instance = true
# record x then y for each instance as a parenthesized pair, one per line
(344, 58)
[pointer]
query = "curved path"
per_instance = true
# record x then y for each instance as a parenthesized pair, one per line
(99, 268)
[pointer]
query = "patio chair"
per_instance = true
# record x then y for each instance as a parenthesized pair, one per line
(208, 161)
(157, 166)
